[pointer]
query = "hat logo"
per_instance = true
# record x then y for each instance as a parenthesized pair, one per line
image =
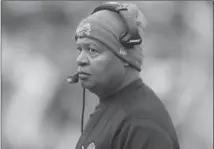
(83, 30)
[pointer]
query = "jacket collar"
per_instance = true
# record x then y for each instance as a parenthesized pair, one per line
(123, 93)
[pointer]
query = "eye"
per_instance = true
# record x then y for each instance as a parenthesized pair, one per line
(92, 51)
(79, 49)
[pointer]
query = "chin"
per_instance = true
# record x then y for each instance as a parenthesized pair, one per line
(90, 86)
(87, 84)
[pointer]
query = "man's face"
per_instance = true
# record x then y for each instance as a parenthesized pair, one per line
(104, 69)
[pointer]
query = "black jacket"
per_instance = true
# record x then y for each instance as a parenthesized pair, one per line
(133, 118)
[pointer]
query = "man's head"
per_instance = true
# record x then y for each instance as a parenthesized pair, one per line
(101, 54)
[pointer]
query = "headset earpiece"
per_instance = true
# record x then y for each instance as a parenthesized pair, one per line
(131, 37)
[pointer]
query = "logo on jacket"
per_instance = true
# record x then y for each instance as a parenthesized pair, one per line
(90, 146)
(122, 52)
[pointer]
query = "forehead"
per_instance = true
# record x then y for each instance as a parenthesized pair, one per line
(88, 41)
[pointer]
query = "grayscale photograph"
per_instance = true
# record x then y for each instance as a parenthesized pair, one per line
(106, 74)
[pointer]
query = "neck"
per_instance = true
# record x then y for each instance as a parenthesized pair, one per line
(129, 78)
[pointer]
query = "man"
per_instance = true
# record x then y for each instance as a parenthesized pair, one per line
(129, 114)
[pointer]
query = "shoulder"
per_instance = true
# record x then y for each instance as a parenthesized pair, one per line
(136, 118)
(141, 125)
(145, 125)
(142, 132)
(143, 103)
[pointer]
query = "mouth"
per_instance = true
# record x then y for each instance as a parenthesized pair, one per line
(83, 75)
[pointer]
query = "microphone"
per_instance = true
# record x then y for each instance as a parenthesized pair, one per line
(73, 79)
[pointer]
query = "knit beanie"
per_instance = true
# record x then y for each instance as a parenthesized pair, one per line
(106, 27)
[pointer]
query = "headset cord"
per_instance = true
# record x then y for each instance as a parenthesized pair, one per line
(83, 110)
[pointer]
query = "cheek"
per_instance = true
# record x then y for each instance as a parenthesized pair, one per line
(106, 66)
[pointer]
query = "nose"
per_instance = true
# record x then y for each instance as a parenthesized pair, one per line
(82, 59)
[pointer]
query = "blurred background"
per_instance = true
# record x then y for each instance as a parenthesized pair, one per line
(40, 110)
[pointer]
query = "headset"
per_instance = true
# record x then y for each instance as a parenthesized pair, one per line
(131, 37)
(128, 39)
